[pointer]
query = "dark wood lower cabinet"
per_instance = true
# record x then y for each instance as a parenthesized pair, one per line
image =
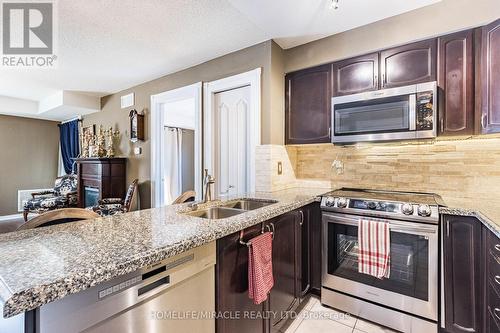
(462, 274)
(284, 296)
(491, 255)
(315, 246)
(291, 270)
(232, 286)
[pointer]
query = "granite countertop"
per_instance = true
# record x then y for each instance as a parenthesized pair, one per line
(39, 266)
(485, 210)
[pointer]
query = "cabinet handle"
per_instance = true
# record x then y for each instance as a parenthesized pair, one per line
(383, 79)
(497, 279)
(329, 132)
(496, 312)
(447, 228)
(301, 217)
(375, 82)
(484, 120)
(442, 125)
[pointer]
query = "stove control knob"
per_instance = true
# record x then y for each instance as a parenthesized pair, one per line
(407, 209)
(342, 203)
(329, 201)
(424, 210)
(372, 205)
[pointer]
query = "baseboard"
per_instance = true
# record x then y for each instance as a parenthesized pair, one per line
(10, 217)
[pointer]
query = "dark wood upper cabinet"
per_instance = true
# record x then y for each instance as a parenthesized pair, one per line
(488, 78)
(307, 105)
(408, 64)
(462, 274)
(355, 75)
(456, 83)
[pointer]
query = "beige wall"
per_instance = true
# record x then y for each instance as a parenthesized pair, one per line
(30, 152)
(443, 17)
(111, 115)
(277, 99)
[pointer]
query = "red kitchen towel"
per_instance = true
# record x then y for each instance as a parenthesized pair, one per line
(374, 248)
(260, 267)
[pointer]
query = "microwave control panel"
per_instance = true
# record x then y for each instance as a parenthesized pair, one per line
(425, 111)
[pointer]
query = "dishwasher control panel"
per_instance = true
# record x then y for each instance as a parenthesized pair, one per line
(119, 287)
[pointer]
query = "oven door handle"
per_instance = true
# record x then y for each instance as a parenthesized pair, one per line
(393, 224)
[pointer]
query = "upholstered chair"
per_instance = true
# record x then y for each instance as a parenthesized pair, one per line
(113, 206)
(63, 195)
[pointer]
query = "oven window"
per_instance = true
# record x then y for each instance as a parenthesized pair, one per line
(383, 115)
(409, 261)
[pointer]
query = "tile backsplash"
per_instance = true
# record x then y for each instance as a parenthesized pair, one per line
(461, 168)
(465, 168)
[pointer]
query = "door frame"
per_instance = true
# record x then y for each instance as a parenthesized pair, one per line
(157, 117)
(253, 79)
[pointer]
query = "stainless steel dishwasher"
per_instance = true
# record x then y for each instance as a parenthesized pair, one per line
(176, 295)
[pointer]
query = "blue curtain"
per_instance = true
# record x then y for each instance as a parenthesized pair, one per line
(70, 147)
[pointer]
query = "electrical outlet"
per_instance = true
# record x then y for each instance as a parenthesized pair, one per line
(280, 168)
(137, 150)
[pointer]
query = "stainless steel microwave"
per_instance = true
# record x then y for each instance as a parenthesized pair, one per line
(402, 113)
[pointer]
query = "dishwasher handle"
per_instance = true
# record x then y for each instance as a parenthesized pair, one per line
(153, 287)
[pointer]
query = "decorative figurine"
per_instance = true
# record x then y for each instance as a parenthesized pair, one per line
(110, 151)
(101, 142)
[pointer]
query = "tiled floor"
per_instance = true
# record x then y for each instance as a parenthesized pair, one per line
(315, 318)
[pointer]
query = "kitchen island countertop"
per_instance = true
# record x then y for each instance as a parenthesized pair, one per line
(42, 265)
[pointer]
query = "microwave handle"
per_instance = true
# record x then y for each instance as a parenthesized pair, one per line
(412, 112)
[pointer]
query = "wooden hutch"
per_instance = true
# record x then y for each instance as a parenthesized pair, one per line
(100, 178)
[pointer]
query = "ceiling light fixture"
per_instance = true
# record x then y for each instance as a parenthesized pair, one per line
(334, 4)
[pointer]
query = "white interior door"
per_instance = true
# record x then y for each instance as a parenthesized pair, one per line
(232, 143)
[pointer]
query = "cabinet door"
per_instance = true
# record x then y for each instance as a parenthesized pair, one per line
(489, 78)
(303, 252)
(307, 106)
(355, 75)
(491, 282)
(408, 64)
(315, 246)
(283, 296)
(232, 285)
(456, 83)
(462, 274)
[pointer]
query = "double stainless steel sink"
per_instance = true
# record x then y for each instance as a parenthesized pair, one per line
(231, 208)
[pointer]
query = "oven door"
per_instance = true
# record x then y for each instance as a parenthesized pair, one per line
(413, 281)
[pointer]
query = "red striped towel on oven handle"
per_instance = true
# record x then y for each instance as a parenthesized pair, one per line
(374, 248)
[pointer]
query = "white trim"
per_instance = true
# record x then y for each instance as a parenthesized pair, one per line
(253, 79)
(11, 217)
(157, 133)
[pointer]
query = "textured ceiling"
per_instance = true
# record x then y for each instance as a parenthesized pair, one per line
(107, 46)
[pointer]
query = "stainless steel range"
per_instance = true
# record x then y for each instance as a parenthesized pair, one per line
(406, 301)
